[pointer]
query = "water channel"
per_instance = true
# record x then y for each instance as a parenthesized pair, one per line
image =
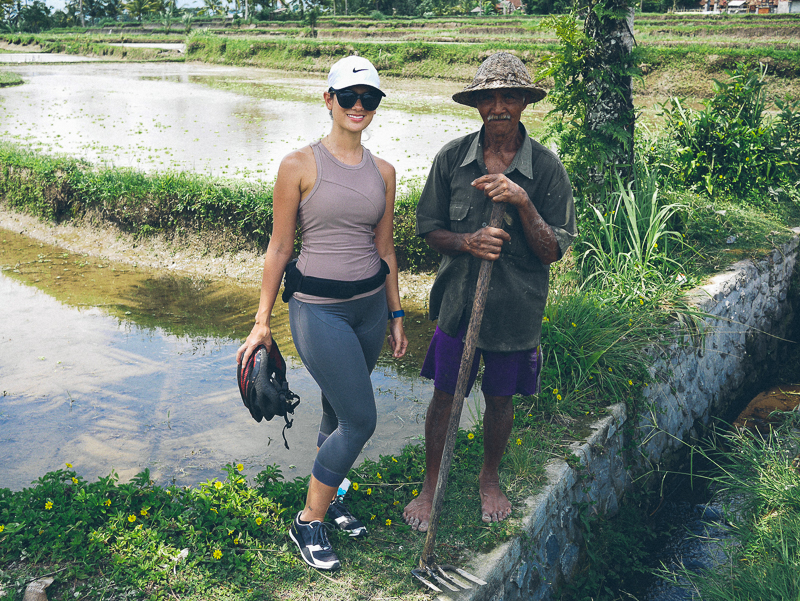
(111, 366)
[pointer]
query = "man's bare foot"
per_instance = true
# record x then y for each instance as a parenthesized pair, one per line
(495, 507)
(418, 513)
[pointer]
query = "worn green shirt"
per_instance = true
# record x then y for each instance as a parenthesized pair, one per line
(512, 320)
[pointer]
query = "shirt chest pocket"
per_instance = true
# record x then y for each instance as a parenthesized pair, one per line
(459, 221)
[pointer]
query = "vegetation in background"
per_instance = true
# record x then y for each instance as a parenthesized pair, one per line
(732, 145)
(592, 115)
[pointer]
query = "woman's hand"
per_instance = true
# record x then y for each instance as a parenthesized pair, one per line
(397, 337)
(260, 334)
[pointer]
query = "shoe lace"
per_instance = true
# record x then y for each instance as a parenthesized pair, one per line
(340, 507)
(319, 535)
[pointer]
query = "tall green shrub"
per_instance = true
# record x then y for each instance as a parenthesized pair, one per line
(731, 145)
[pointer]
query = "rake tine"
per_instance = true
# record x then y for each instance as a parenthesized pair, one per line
(464, 573)
(418, 575)
(445, 582)
(452, 578)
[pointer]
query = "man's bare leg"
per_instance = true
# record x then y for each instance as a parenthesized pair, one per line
(418, 512)
(497, 423)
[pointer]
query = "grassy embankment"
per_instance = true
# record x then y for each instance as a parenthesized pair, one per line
(103, 539)
(9, 79)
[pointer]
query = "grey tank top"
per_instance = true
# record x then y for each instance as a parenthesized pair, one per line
(338, 219)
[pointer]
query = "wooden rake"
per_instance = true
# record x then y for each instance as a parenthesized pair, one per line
(428, 571)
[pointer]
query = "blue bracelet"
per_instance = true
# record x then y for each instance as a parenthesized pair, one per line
(393, 314)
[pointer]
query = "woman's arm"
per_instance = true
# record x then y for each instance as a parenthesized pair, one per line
(384, 242)
(294, 174)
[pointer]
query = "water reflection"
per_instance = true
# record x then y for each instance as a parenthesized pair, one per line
(112, 366)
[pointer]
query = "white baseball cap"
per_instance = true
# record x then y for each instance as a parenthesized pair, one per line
(354, 71)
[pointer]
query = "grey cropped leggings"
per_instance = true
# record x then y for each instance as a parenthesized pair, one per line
(339, 345)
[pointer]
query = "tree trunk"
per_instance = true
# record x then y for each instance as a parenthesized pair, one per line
(610, 115)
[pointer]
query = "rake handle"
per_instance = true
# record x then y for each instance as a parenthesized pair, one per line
(467, 357)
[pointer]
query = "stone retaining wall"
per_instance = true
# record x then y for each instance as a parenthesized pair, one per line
(745, 314)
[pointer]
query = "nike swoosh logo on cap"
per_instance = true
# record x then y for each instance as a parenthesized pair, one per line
(358, 70)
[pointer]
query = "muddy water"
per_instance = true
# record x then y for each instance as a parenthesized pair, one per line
(110, 366)
(221, 121)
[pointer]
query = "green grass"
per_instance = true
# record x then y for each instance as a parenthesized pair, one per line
(9, 79)
(756, 479)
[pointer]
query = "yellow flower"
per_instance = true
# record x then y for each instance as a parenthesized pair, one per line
(258, 521)
(2, 527)
(573, 325)
(470, 436)
(68, 464)
(558, 397)
(396, 503)
(216, 554)
(373, 517)
(414, 492)
(239, 467)
(131, 518)
(48, 505)
(107, 502)
(214, 509)
(394, 459)
(355, 485)
(545, 319)
(519, 441)
(611, 370)
(630, 382)
(235, 541)
(217, 485)
(641, 301)
(74, 480)
(555, 390)
(369, 491)
(379, 475)
(144, 512)
(388, 522)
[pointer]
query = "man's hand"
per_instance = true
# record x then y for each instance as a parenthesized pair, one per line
(498, 188)
(486, 243)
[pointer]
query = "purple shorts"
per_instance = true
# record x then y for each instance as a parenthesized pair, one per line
(504, 374)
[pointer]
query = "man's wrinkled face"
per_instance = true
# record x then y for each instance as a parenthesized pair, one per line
(501, 109)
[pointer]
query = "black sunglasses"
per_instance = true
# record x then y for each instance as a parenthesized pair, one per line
(348, 98)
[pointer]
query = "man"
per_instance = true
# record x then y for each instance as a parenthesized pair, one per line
(500, 163)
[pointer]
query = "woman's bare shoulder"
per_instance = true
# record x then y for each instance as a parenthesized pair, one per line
(385, 167)
(298, 159)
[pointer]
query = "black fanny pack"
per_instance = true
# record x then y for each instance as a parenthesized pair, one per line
(294, 281)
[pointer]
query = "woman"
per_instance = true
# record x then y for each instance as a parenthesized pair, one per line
(339, 292)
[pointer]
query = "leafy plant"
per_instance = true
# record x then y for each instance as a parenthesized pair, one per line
(590, 119)
(628, 256)
(730, 145)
